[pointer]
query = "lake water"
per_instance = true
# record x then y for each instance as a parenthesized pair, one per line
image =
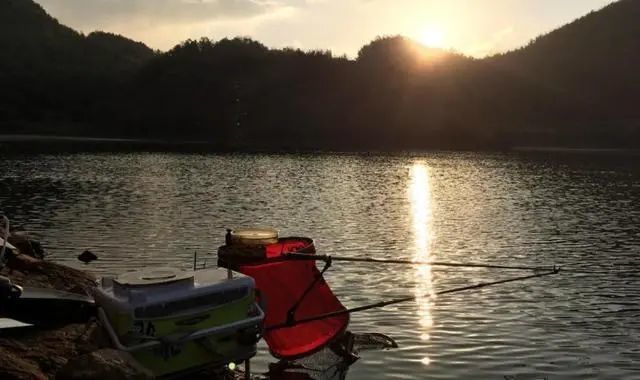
(578, 211)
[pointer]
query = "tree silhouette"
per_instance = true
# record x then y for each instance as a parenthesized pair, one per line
(576, 86)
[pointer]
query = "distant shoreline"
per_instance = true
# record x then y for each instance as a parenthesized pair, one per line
(50, 138)
(563, 149)
(88, 144)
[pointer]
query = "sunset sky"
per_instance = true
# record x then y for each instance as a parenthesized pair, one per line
(473, 27)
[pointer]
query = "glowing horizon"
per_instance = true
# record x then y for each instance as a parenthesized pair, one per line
(478, 28)
(432, 36)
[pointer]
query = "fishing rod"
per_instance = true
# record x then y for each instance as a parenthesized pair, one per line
(554, 270)
(329, 258)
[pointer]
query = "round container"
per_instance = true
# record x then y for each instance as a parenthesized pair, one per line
(254, 236)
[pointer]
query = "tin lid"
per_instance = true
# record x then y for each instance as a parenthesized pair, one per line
(255, 236)
(153, 276)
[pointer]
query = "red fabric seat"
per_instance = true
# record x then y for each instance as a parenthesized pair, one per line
(283, 282)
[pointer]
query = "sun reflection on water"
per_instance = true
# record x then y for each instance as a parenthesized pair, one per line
(422, 220)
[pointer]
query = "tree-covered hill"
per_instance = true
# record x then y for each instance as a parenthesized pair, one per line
(591, 64)
(51, 75)
(576, 86)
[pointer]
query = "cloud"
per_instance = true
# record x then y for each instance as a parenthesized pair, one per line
(475, 27)
(102, 13)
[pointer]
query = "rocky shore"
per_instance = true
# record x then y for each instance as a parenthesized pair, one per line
(82, 351)
(73, 351)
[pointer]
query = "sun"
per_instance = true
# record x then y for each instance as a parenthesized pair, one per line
(432, 36)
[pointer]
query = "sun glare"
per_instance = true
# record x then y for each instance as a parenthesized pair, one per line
(432, 36)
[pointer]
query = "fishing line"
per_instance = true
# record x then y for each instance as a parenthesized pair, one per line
(555, 270)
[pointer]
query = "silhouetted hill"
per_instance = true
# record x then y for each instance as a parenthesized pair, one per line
(53, 74)
(576, 86)
(591, 62)
(401, 53)
(30, 37)
(32, 40)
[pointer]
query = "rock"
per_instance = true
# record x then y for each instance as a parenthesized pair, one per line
(16, 261)
(30, 353)
(26, 245)
(87, 257)
(104, 364)
(28, 271)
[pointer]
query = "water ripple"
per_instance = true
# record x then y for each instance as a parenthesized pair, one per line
(136, 210)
